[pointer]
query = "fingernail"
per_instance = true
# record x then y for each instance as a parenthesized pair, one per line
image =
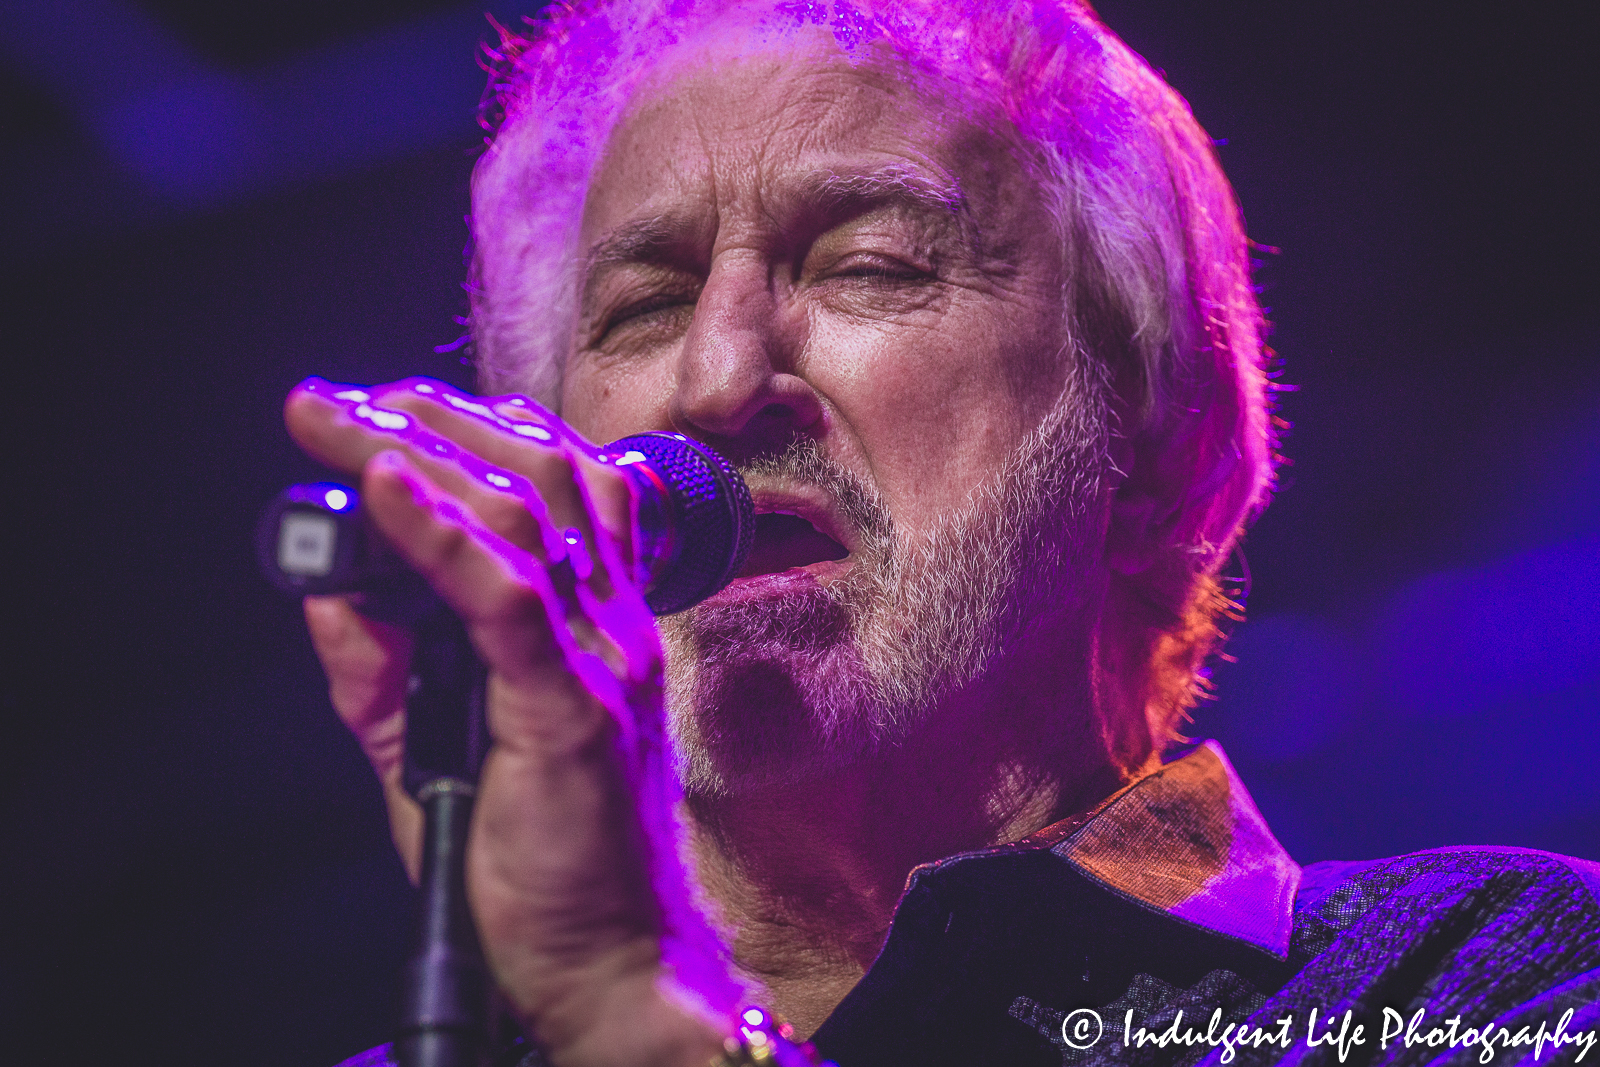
(323, 387)
(425, 386)
(578, 557)
(395, 461)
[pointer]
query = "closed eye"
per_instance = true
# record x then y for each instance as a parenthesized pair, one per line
(645, 307)
(881, 268)
(648, 312)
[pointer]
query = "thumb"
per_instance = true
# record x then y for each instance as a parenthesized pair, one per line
(367, 664)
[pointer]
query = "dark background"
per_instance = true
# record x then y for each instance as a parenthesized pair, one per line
(202, 203)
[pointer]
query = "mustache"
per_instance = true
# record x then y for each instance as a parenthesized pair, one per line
(803, 462)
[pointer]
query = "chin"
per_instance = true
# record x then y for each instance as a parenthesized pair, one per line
(843, 637)
(768, 682)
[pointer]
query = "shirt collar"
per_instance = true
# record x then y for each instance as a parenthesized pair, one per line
(1188, 840)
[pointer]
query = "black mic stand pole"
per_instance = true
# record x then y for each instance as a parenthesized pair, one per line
(445, 986)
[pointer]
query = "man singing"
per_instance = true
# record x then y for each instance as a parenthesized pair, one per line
(962, 291)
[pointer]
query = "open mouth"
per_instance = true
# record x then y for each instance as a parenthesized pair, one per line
(784, 542)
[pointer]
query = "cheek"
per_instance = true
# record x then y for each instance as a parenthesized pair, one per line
(604, 404)
(931, 410)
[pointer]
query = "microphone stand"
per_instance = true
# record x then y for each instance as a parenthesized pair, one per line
(445, 985)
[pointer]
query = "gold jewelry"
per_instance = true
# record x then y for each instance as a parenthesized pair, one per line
(762, 1040)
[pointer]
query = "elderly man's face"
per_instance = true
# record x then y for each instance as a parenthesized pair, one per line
(792, 248)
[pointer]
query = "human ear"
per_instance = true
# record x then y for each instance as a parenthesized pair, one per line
(1168, 484)
(1143, 505)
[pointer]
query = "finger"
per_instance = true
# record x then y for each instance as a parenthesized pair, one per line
(609, 495)
(345, 426)
(517, 434)
(317, 414)
(517, 621)
(579, 569)
(345, 423)
(532, 496)
(550, 694)
(367, 664)
(578, 491)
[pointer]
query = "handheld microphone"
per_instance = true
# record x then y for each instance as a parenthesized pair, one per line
(696, 525)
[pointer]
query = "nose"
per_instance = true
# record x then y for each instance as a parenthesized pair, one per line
(736, 388)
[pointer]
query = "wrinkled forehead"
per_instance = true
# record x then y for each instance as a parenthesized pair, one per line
(740, 122)
(597, 141)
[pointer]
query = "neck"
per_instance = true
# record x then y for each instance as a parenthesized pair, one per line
(805, 876)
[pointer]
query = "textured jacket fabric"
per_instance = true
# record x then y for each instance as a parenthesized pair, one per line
(1169, 927)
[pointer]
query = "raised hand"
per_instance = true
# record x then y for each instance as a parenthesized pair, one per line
(572, 870)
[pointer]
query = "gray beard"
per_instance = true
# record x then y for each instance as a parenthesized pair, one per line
(765, 692)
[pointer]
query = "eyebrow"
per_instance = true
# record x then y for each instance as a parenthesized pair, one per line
(641, 240)
(885, 184)
(659, 238)
(651, 240)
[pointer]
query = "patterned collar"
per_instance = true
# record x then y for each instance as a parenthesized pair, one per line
(1185, 840)
(1188, 840)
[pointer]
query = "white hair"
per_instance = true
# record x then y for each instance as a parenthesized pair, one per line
(1158, 294)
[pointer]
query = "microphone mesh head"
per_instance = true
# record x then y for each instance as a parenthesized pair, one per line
(713, 515)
